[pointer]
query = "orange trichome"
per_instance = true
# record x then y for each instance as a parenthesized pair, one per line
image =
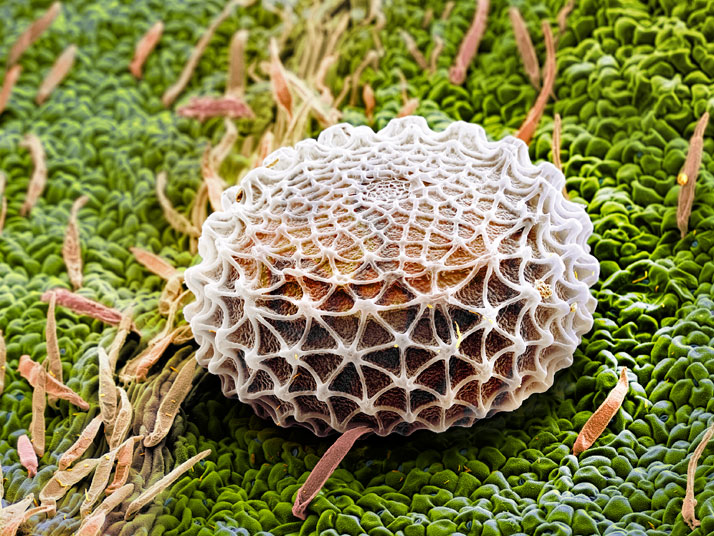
(599, 420)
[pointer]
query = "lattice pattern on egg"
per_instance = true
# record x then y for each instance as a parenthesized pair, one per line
(402, 279)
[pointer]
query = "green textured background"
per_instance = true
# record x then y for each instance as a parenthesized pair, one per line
(633, 78)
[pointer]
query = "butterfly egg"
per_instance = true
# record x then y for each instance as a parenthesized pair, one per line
(399, 280)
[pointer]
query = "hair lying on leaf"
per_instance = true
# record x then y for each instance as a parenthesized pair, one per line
(689, 501)
(175, 90)
(84, 306)
(33, 32)
(35, 374)
(39, 402)
(59, 70)
(79, 447)
(469, 44)
(27, 454)
(171, 402)
(149, 494)
(687, 177)
(177, 220)
(71, 247)
(525, 46)
(525, 132)
(11, 76)
(38, 180)
(144, 47)
(107, 392)
(154, 263)
(599, 420)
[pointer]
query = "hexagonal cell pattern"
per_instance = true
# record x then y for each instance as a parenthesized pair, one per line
(399, 280)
